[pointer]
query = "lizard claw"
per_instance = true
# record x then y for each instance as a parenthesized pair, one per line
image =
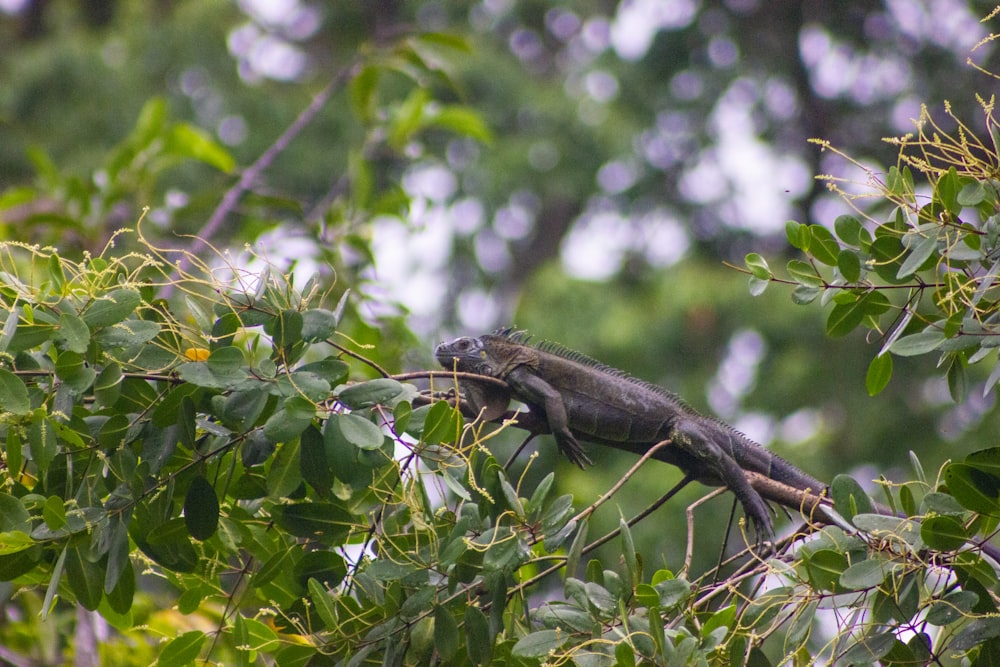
(760, 517)
(573, 450)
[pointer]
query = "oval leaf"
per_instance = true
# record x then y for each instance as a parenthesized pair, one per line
(373, 392)
(201, 509)
(878, 375)
(538, 644)
(360, 432)
(112, 308)
(13, 394)
(944, 533)
(918, 343)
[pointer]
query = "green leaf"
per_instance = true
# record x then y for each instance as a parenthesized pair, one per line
(112, 308)
(86, 579)
(370, 393)
(42, 439)
(864, 574)
(442, 424)
(188, 141)
(260, 637)
(360, 432)
(328, 521)
(225, 362)
(326, 567)
(290, 421)
(887, 252)
(947, 189)
(407, 118)
(797, 235)
(758, 267)
(285, 329)
(120, 577)
(757, 285)
(315, 468)
(672, 592)
(318, 325)
(844, 318)
(944, 533)
(972, 194)
(849, 265)
(74, 371)
(479, 639)
(541, 492)
(363, 89)
(824, 568)
(632, 563)
(54, 512)
(323, 604)
(334, 371)
(868, 650)
(575, 551)
(987, 460)
(952, 607)
(918, 253)
(918, 343)
(285, 474)
(975, 633)
(538, 644)
(12, 542)
(802, 295)
(13, 515)
(13, 394)
(822, 245)
(182, 650)
(463, 121)
(201, 509)
(848, 229)
(804, 273)
(446, 634)
(878, 375)
(73, 333)
(108, 385)
(958, 379)
(242, 409)
(167, 542)
(973, 488)
(113, 432)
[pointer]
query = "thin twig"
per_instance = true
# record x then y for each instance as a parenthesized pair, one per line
(620, 483)
(363, 359)
(689, 512)
(517, 452)
(652, 507)
(253, 172)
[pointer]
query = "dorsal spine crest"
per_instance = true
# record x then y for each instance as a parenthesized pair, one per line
(522, 337)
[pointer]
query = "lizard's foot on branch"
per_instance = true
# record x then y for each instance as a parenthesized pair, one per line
(571, 447)
(577, 454)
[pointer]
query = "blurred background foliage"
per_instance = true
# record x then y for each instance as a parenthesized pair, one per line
(628, 150)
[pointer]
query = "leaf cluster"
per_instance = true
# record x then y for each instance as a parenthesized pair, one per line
(918, 268)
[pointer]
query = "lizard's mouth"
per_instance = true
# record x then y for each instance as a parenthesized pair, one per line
(444, 357)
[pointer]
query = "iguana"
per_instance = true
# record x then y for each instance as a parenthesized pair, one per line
(582, 399)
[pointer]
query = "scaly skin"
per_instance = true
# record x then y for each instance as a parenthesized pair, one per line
(581, 399)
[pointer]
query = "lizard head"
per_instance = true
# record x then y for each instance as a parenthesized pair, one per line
(492, 355)
(466, 354)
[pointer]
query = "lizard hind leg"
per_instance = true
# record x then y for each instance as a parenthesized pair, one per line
(715, 464)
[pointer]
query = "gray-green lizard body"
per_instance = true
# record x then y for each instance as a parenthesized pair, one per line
(582, 399)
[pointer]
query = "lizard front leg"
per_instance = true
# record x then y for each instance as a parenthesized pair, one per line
(716, 463)
(540, 394)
